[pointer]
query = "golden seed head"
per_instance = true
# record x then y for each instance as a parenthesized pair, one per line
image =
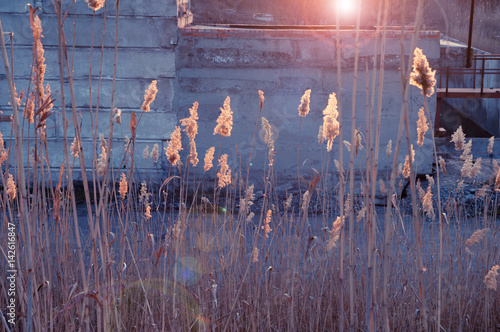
(304, 103)
(191, 124)
(458, 137)
(422, 75)
(261, 96)
(267, 229)
(225, 120)
(491, 141)
(476, 237)
(331, 126)
(174, 146)
(224, 174)
(422, 126)
(193, 154)
(338, 224)
(155, 152)
(490, 280)
(11, 187)
(149, 96)
(123, 186)
(3, 151)
(209, 157)
(95, 4)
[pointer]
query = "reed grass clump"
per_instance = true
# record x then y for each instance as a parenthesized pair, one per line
(177, 249)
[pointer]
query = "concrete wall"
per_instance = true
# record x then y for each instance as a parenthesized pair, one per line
(206, 65)
(147, 34)
(215, 63)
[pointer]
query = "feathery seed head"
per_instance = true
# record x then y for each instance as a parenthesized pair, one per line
(304, 103)
(11, 187)
(209, 157)
(3, 151)
(331, 126)
(476, 237)
(338, 224)
(224, 175)
(261, 96)
(267, 229)
(422, 75)
(123, 186)
(422, 127)
(145, 153)
(490, 280)
(95, 4)
(225, 120)
(155, 152)
(458, 137)
(491, 141)
(193, 154)
(149, 96)
(191, 124)
(75, 148)
(174, 146)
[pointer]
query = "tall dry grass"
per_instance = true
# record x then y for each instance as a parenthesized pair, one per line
(201, 252)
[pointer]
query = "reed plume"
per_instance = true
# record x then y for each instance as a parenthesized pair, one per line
(11, 187)
(145, 153)
(261, 97)
(75, 148)
(224, 175)
(208, 160)
(458, 137)
(406, 168)
(422, 127)
(174, 146)
(155, 154)
(268, 139)
(427, 203)
(117, 115)
(95, 4)
(225, 120)
(338, 224)
(442, 165)
(491, 141)
(38, 55)
(29, 110)
(123, 189)
(490, 280)
(193, 154)
(422, 75)
(255, 255)
(331, 126)
(3, 151)
(388, 149)
(267, 229)
(475, 238)
(304, 103)
(190, 123)
(149, 96)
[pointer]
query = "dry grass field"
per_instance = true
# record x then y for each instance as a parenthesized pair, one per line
(203, 249)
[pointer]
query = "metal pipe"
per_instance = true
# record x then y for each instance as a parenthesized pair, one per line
(468, 63)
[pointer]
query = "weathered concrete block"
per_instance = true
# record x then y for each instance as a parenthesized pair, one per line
(164, 8)
(152, 125)
(132, 31)
(131, 63)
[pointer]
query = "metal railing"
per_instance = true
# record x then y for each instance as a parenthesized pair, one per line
(478, 69)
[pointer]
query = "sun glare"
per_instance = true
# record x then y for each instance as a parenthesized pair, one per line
(345, 6)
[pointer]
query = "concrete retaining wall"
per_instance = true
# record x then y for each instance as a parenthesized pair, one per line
(147, 34)
(206, 64)
(213, 63)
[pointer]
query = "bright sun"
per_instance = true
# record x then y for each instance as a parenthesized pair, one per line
(346, 6)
